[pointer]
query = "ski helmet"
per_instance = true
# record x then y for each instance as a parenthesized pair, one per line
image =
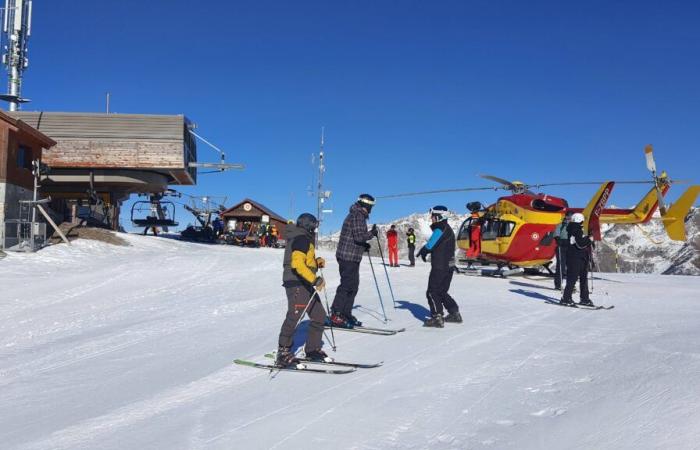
(308, 222)
(366, 201)
(439, 212)
(577, 218)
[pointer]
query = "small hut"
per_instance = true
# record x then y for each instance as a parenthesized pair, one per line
(249, 215)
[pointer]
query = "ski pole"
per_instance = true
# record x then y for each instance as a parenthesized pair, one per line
(308, 304)
(386, 272)
(560, 266)
(376, 284)
(328, 310)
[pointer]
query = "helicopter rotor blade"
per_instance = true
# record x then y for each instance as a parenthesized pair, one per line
(440, 191)
(502, 181)
(651, 166)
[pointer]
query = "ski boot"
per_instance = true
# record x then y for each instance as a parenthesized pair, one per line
(339, 321)
(567, 302)
(586, 302)
(286, 357)
(454, 317)
(318, 355)
(353, 320)
(436, 321)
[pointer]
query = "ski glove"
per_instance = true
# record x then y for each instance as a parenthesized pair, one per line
(423, 253)
(319, 284)
(320, 263)
(374, 231)
(367, 246)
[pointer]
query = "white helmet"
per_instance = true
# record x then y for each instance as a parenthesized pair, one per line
(577, 218)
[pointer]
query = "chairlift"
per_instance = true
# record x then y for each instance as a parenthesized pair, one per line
(154, 212)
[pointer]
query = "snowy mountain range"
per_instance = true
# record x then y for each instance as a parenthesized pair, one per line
(643, 248)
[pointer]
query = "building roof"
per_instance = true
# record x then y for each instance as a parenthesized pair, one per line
(45, 141)
(67, 125)
(260, 206)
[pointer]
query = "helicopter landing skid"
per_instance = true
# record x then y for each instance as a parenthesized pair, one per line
(488, 272)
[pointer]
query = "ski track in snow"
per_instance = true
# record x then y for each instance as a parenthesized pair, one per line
(132, 347)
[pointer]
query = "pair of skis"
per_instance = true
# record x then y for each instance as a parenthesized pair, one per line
(369, 330)
(332, 367)
(580, 306)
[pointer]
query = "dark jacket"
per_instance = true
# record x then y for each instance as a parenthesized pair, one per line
(579, 245)
(353, 235)
(442, 246)
(299, 264)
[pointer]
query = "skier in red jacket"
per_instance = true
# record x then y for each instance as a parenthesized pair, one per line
(392, 239)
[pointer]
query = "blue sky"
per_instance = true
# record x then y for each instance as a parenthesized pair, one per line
(413, 95)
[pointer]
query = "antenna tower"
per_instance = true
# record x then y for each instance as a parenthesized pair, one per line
(16, 29)
(321, 195)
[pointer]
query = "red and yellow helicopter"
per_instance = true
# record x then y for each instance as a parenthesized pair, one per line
(517, 231)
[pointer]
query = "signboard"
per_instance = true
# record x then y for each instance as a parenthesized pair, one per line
(247, 207)
(265, 218)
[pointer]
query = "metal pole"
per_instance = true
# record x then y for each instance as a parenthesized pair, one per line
(328, 309)
(381, 302)
(386, 271)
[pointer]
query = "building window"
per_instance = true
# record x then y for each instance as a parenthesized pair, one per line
(24, 157)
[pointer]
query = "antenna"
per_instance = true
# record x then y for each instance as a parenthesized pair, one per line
(16, 29)
(321, 195)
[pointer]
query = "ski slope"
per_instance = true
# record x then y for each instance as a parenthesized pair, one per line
(105, 347)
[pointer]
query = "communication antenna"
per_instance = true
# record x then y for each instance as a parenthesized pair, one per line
(16, 29)
(321, 195)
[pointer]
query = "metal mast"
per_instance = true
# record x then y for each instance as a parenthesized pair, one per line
(16, 29)
(321, 195)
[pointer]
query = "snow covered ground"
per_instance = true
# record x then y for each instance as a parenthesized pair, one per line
(132, 347)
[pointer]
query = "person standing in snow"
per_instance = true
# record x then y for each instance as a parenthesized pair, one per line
(353, 243)
(442, 247)
(302, 286)
(392, 241)
(562, 238)
(411, 241)
(577, 259)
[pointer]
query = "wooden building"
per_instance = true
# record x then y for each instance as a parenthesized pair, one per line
(20, 144)
(114, 155)
(249, 213)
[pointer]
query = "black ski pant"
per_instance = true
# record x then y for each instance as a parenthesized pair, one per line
(438, 284)
(576, 270)
(297, 299)
(347, 290)
(411, 254)
(560, 273)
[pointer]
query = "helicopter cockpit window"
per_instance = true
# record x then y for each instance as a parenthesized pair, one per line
(464, 230)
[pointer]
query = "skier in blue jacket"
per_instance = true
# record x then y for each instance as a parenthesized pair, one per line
(442, 247)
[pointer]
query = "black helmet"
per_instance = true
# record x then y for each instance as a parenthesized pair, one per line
(439, 212)
(366, 201)
(308, 222)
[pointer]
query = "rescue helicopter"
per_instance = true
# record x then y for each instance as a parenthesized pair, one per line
(516, 233)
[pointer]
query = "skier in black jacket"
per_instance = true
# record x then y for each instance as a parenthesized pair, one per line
(578, 257)
(302, 284)
(442, 247)
(352, 245)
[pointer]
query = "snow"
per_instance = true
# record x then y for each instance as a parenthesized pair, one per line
(132, 348)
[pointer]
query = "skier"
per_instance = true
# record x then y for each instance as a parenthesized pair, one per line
(411, 241)
(302, 286)
(442, 246)
(562, 238)
(577, 259)
(392, 240)
(353, 243)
